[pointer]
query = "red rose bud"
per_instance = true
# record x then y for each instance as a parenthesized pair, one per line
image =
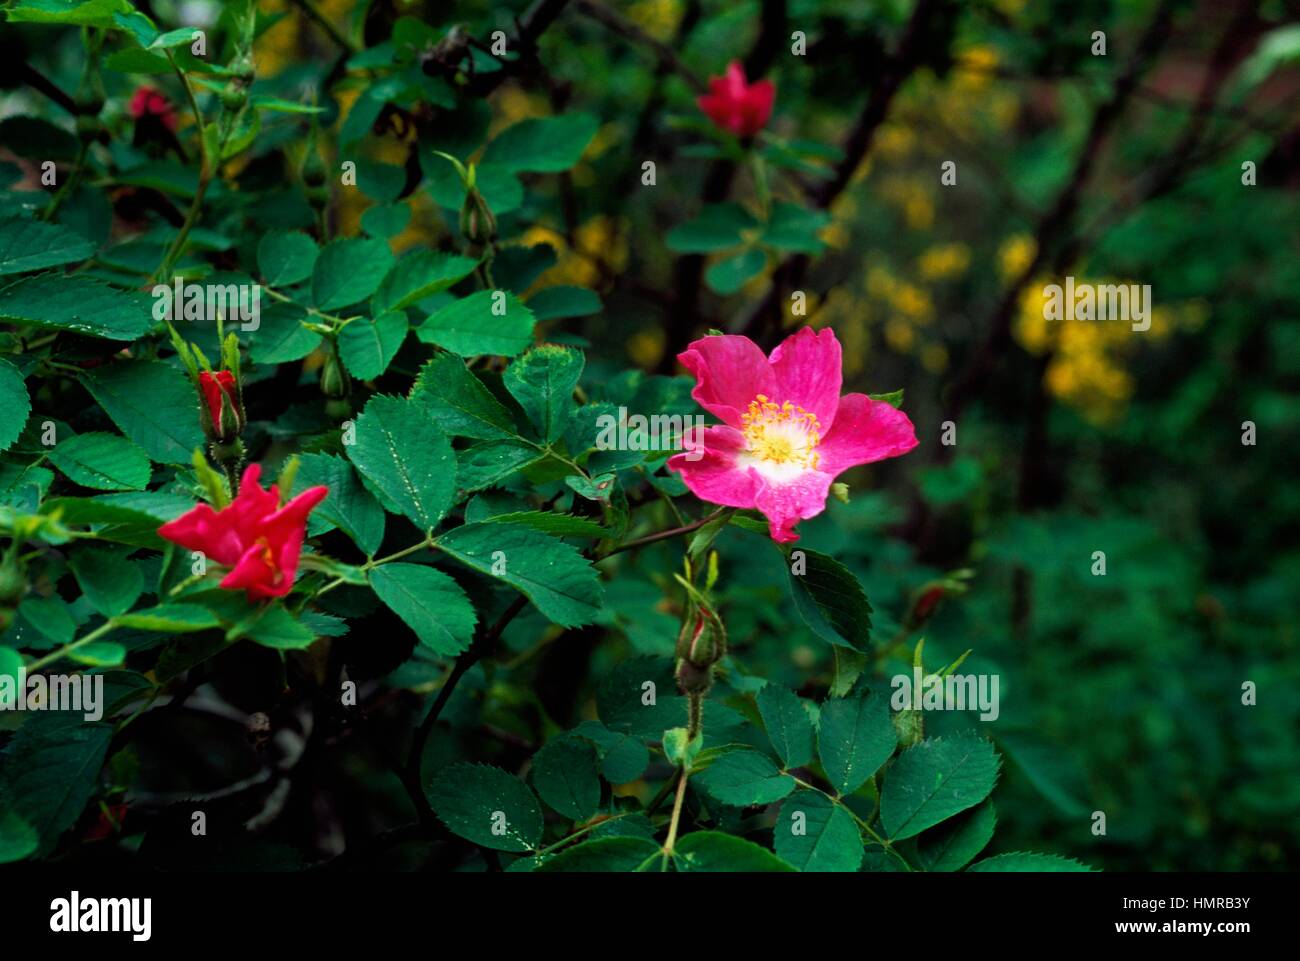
(254, 536)
(737, 106)
(926, 604)
(147, 102)
(221, 397)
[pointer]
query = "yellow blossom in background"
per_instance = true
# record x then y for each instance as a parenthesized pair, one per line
(943, 261)
(976, 68)
(911, 198)
(900, 335)
(659, 18)
(913, 303)
(512, 103)
(1015, 254)
(880, 283)
(894, 141)
(645, 348)
(1088, 369)
(934, 358)
(599, 241)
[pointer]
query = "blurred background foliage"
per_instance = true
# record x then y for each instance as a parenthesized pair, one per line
(1120, 693)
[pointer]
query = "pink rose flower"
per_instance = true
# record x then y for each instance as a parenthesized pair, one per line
(786, 432)
(254, 536)
(737, 106)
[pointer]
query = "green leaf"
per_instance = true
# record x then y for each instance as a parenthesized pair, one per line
(369, 346)
(563, 301)
(729, 275)
(813, 833)
(99, 654)
(170, 619)
(50, 769)
(830, 600)
(348, 506)
(894, 398)
(564, 776)
(85, 13)
(483, 465)
(715, 851)
(855, 738)
(486, 322)
(793, 228)
(718, 227)
(420, 274)
(131, 517)
(102, 461)
(459, 402)
(934, 780)
(1027, 861)
(555, 576)
(286, 257)
(15, 403)
(543, 381)
(279, 105)
(348, 271)
(603, 855)
(951, 846)
(281, 335)
(11, 665)
(50, 617)
(386, 220)
(110, 582)
(33, 244)
(405, 455)
(486, 805)
(745, 778)
(181, 37)
(79, 303)
(430, 603)
(549, 522)
(153, 404)
(789, 727)
(278, 629)
(542, 144)
(19, 840)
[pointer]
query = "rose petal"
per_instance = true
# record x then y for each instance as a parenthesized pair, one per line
(730, 371)
(714, 476)
(785, 504)
(865, 431)
(808, 368)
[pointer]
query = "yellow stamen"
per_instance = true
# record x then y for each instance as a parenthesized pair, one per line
(781, 433)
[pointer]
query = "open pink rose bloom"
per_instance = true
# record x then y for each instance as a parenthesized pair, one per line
(786, 432)
(254, 536)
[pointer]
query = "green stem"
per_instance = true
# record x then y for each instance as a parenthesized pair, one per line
(69, 648)
(205, 176)
(695, 721)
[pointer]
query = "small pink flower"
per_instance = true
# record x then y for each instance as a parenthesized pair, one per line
(737, 106)
(786, 432)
